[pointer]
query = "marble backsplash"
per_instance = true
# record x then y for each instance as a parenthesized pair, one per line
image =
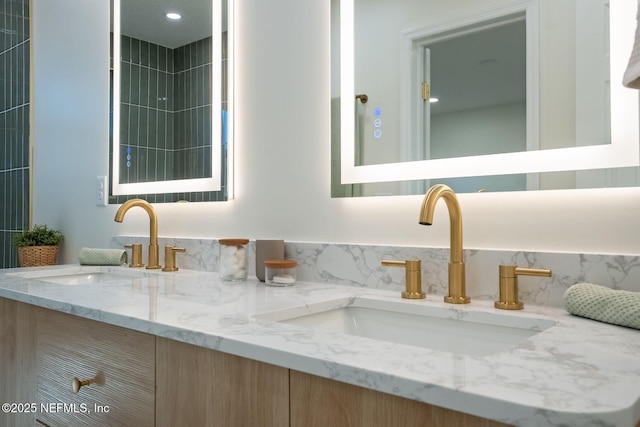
(360, 265)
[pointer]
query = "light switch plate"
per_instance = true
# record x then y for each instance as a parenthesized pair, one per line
(102, 190)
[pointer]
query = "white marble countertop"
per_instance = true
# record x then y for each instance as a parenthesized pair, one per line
(578, 372)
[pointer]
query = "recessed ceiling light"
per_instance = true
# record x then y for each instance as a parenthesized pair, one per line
(174, 16)
(432, 100)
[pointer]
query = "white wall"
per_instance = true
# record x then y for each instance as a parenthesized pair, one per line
(283, 152)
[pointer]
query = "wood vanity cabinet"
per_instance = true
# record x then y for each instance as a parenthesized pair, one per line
(320, 402)
(140, 379)
(120, 363)
(205, 388)
(17, 361)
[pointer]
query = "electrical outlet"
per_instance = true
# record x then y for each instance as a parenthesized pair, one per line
(102, 190)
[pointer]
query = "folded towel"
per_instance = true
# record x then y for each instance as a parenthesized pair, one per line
(93, 256)
(604, 304)
(632, 74)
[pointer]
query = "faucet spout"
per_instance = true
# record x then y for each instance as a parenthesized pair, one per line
(457, 286)
(153, 227)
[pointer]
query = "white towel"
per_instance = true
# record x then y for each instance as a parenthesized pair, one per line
(632, 74)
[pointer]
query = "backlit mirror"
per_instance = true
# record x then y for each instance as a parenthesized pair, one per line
(172, 100)
(481, 94)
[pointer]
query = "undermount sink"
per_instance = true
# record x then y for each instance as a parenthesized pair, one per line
(79, 275)
(85, 278)
(454, 330)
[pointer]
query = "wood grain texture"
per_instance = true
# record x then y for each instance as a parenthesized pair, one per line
(320, 402)
(120, 360)
(201, 387)
(17, 360)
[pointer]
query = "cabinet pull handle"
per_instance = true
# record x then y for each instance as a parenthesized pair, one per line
(76, 384)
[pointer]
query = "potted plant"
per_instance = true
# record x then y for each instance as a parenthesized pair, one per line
(38, 246)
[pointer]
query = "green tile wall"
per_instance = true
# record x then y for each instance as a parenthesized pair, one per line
(165, 126)
(14, 125)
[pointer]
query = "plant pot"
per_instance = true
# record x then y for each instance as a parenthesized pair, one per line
(33, 256)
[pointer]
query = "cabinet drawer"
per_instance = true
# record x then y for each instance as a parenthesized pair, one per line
(119, 362)
(206, 388)
(320, 402)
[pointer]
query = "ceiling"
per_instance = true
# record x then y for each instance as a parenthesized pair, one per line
(146, 20)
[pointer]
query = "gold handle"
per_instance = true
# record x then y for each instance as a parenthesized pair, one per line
(136, 255)
(413, 276)
(391, 263)
(532, 272)
(509, 285)
(170, 257)
(76, 384)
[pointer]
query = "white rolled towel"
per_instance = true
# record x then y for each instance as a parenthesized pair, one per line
(604, 304)
(96, 256)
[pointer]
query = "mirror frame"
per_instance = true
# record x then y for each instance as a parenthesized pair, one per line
(212, 183)
(624, 150)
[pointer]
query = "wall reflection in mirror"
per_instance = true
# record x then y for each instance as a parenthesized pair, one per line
(451, 80)
(171, 136)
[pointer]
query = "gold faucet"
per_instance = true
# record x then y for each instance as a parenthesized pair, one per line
(153, 228)
(457, 290)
